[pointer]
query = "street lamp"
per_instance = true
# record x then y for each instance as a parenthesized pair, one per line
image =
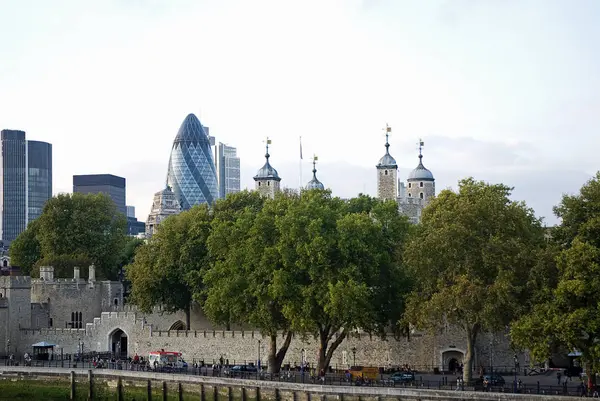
(8, 347)
(353, 356)
(258, 357)
(516, 365)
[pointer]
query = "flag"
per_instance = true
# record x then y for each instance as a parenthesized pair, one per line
(388, 128)
(421, 143)
(301, 158)
(268, 141)
(316, 158)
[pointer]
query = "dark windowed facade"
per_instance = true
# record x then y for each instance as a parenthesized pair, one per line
(13, 188)
(192, 174)
(108, 184)
(39, 172)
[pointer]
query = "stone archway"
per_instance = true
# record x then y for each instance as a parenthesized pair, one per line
(451, 359)
(118, 344)
(178, 325)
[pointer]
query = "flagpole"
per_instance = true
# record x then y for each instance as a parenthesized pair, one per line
(300, 166)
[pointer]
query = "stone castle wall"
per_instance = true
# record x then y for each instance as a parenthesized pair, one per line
(421, 350)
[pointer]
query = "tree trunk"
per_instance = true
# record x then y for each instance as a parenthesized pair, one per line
(188, 312)
(326, 351)
(275, 356)
(471, 332)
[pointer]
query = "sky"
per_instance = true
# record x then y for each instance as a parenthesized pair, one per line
(504, 91)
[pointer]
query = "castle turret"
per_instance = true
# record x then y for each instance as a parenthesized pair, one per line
(47, 273)
(267, 179)
(315, 183)
(421, 184)
(387, 172)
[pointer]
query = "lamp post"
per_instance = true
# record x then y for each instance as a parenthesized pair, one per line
(8, 347)
(516, 364)
(353, 356)
(258, 357)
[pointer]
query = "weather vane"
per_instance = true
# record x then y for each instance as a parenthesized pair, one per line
(420, 144)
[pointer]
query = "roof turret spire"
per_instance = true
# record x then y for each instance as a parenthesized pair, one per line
(267, 172)
(420, 173)
(315, 183)
(387, 161)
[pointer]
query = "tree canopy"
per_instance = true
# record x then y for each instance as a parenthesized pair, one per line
(470, 258)
(73, 226)
(566, 311)
(340, 271)
(163, 268)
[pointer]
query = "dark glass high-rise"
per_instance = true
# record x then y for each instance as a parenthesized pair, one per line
(39, 177)
(192, 174)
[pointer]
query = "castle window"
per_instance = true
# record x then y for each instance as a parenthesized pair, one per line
(409, 185)
(409, 194)
(259, 183)
(76, 320)
(268, 183)
(50, 322)
(421, 195)
(421, 184)
(116, 302)
(386, 173)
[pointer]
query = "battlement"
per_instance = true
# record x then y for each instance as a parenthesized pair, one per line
(51, 331)
(15, 281)
(116, 315)
(244, 334)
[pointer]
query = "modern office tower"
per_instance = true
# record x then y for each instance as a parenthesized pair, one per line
(134, 226)
(228, 169)
(191, 173)
(13, 188)
(130, 211)
(108, 184)
(39, 177)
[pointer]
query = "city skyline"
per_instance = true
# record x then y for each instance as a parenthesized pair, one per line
(503, 91)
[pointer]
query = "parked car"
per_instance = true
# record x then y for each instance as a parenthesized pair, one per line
(402, 377)
(495, 379)
(240, 370)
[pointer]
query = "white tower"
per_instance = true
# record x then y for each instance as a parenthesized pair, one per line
(267, 180)
(387, 172)
(421, 184)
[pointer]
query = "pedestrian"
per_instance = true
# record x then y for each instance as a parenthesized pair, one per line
(558, 375)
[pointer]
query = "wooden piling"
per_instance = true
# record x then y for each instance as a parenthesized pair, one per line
(179, 392)
(119, 389)
(72, 385)
(90, 386)
(149, 390)
(164, 391)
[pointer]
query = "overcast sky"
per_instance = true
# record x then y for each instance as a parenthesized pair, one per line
(504, 91)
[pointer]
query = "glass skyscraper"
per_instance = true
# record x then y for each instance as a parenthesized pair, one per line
(192, 173)
(13, 196)
(39, 177)
(228, 169)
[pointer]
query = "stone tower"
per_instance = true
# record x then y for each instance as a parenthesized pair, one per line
(15, 291)
(164, 204)
(387, 173)
(267, 180)
(421, 184)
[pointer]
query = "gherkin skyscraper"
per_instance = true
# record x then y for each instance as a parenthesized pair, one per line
(192, 173)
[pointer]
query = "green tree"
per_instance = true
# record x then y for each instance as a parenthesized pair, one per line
(164, 267)
(565, 310)
(470, 259)
(74, 226)
(340, 271)
(25, 250)
(243, 247)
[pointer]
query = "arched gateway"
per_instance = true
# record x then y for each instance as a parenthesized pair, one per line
(117, 343)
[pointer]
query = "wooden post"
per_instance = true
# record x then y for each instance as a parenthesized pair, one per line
(244, 396)
(308, 396)
(164, 391)
(72, 385)
(90, 386)
(149, 390)
(179, 392)
(202, 394)
(294, 396)
(119, 389)
(215, 393)
(277, 395)
(341, 397)
(229, 393)
(258, 394)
